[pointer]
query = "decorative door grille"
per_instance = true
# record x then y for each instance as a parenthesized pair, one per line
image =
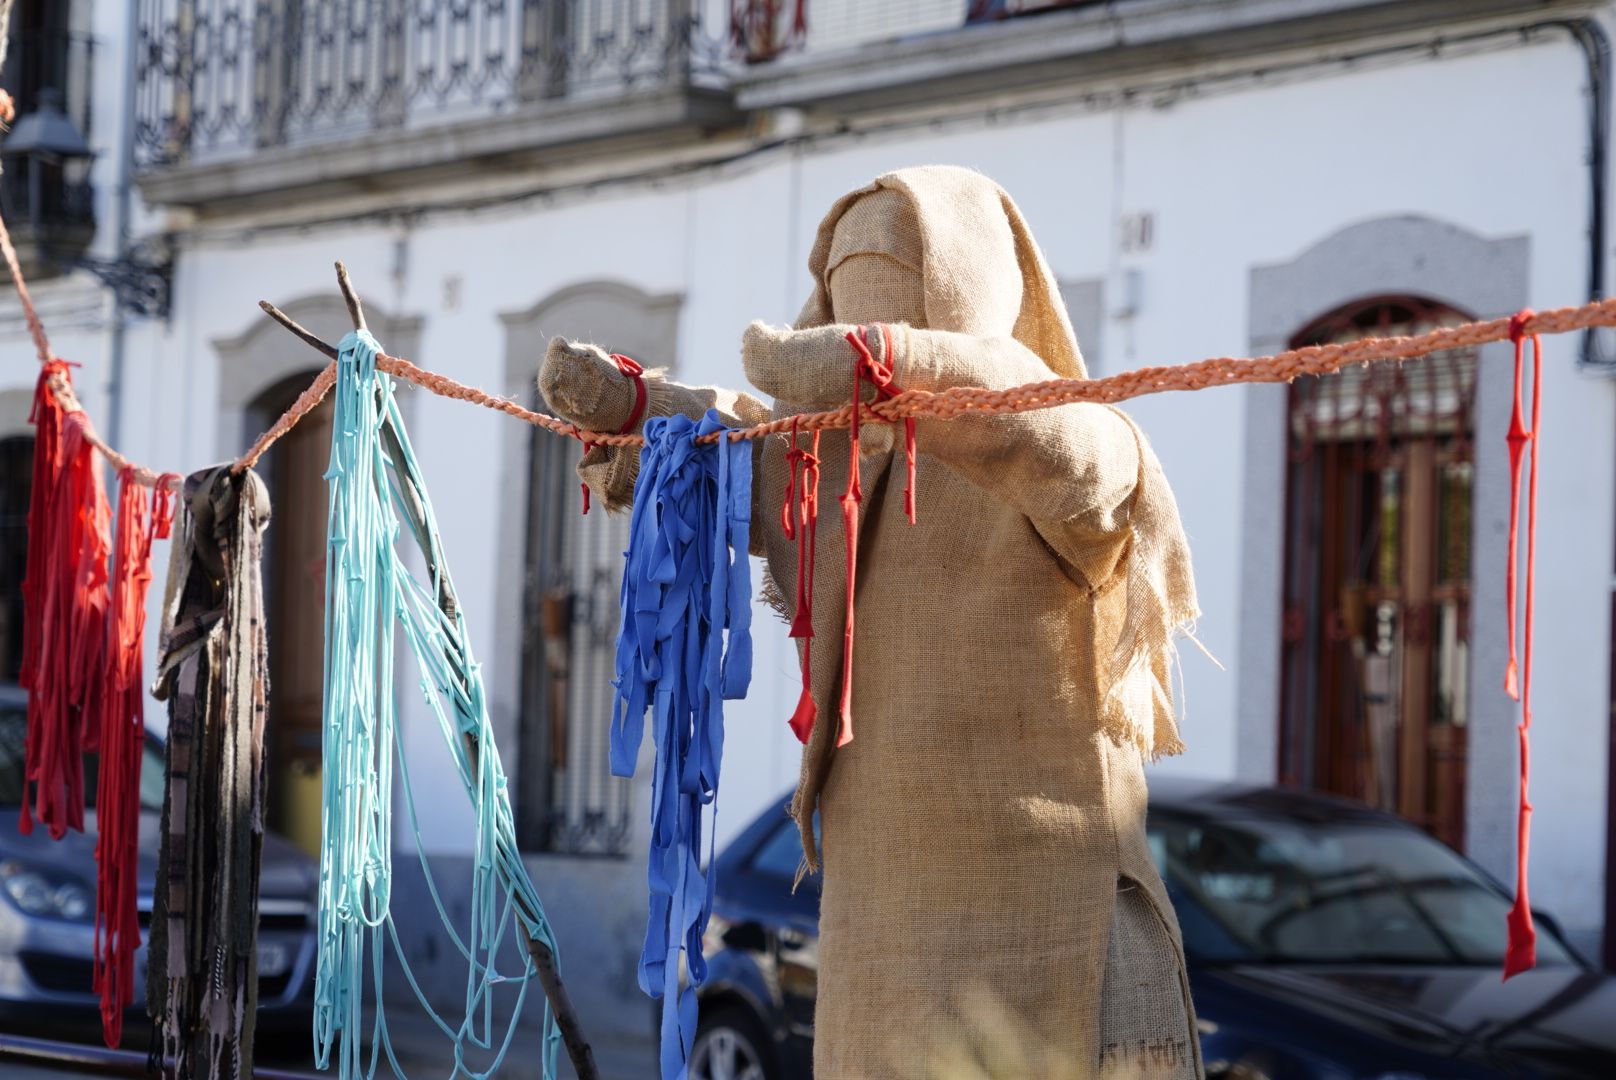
(1377, 576)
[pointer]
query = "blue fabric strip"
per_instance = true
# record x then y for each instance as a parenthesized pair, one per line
(373, 476)
(686, 581)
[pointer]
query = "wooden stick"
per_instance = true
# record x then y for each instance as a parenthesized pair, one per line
(356, 310)
(291, 324)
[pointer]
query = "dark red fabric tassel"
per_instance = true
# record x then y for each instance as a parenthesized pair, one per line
(1521, 951)
(65, 599)
(123, 737)
(799, 517)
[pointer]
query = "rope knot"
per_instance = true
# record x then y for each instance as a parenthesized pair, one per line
(1517, 324)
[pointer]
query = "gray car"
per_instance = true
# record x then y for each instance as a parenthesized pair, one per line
(47, 905)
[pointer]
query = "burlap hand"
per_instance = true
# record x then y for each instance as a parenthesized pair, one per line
(582, 385)
(812, 367)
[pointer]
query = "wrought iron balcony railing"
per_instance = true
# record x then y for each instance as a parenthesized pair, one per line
(223, 78)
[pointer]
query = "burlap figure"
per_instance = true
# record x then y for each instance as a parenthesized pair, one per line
(990, 907)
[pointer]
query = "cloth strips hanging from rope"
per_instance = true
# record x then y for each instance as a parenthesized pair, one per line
(142, 517)
(373, 477)
(1520, 954)
(65, 596)
(202, 959)
(686, 584)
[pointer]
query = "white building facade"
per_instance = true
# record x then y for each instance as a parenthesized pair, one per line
(1205, 179)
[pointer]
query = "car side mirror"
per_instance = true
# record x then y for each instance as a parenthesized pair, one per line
(746, 937)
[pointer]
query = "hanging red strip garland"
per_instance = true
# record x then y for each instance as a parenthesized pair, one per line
(123, 737)
(630, 367)
(802, 502)
(1521, 951)
(65, 597)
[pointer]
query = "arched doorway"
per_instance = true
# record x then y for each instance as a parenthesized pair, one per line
(261, 372)
(1380, 472)
(294, 583)
(567, 800)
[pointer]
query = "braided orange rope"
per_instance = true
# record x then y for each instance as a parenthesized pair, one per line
(970, 400)
(942, 405)
(59, 385)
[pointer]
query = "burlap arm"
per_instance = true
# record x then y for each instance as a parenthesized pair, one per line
(610, 471)
(1072, 470)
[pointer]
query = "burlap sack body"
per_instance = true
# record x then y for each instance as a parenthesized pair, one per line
(1010, 678)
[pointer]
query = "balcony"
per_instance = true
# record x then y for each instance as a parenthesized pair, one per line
(241, 98)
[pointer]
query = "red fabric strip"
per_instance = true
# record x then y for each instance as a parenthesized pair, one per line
(800, 519)
(123, 737)
(1521, 951)
(65, 595)
(880, 376)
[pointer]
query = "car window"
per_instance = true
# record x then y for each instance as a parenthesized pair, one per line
(1322, 892)
(781, 853)
(13, 740)
(152, 769)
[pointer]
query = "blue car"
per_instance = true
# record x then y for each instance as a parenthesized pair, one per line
(1325, 940)
(47, 908)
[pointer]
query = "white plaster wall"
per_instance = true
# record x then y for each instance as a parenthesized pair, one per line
(1233, 180)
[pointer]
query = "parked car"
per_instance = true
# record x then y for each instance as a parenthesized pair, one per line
(1324, 940)
(47, 906)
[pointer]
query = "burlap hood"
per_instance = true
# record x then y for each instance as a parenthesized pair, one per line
(983, 275)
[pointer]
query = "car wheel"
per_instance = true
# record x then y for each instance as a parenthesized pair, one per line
(730, 1045)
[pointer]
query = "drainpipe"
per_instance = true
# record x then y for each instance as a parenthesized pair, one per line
(1591, 38)
(121, 244)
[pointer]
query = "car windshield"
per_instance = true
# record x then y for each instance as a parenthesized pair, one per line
(1355, 891)
(13, 740)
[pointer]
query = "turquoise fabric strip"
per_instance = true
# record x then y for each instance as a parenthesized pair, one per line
(686, 582)
(375, 484)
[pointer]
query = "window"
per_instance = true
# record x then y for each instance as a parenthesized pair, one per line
(571, 564)
(1377, 579)
(574, 566)
(1277, 890)
(781, 854)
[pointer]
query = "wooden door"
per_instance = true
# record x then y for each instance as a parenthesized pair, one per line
(1377, 582)
(294, 582)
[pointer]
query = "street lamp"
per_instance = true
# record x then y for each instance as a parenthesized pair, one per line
(47, 162)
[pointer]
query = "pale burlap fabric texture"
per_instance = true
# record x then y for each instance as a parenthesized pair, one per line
(1012, 662)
